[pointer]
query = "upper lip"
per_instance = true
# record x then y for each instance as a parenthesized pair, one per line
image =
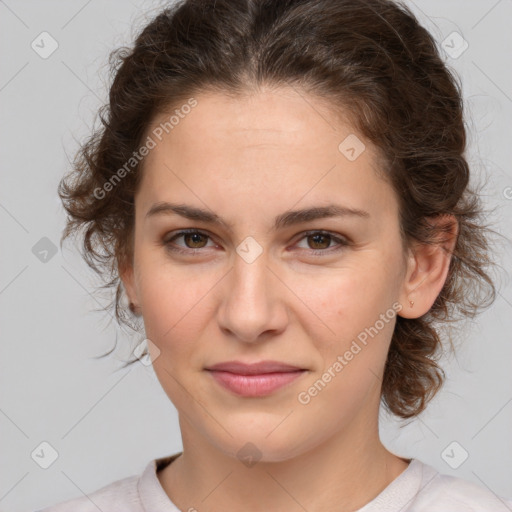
(254, 368)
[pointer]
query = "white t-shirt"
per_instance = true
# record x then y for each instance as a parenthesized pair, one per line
(420, 488)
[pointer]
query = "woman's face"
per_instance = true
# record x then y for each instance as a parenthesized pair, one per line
(259, 283)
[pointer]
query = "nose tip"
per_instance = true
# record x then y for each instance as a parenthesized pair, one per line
(251, 305)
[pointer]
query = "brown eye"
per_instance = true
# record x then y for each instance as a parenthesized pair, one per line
(322, 242)
(319, 241)
(195, 240)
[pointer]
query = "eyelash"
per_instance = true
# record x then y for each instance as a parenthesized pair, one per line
(342, 243)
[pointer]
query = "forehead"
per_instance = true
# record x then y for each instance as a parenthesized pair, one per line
(271, 117)
(276, 144)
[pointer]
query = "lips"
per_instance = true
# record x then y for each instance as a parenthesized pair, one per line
(254, 368)
(256, 379)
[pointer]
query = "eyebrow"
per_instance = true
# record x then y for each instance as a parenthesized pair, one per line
(288, 218)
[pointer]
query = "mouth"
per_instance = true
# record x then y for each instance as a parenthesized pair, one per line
(256, 379)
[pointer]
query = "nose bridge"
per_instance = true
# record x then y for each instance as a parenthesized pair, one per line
(250, 279)
(250, 305)
(250, 274)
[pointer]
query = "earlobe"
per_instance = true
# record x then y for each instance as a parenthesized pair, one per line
(428, 267)
(126, 275)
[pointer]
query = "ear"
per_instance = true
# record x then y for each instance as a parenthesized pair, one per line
(427, 268)
(126, 273)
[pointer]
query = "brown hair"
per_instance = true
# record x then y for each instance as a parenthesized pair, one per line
(370, 58)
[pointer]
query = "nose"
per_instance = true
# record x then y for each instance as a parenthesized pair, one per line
(253, 302)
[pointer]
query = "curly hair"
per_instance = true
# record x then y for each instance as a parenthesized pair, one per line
(368, 58)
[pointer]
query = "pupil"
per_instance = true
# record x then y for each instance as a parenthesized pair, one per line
(316, 237)
(195, 236)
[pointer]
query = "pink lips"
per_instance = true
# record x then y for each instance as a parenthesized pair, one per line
(253, 380)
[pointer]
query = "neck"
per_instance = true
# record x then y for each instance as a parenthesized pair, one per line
(344, 473)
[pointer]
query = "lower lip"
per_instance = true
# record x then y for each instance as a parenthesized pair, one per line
(254, 385)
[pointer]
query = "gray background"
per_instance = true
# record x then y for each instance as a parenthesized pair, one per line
(107, 425)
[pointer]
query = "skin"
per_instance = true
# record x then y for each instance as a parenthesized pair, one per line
(248, 160)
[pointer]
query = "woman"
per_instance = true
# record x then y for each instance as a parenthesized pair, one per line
(281, 193)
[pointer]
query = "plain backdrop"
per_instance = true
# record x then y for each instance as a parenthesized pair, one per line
(102, 425)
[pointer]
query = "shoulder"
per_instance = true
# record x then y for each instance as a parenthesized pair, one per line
(441, 492)
(136, 493)
(119, 496)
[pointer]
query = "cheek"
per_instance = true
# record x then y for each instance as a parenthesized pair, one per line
(353, 307)
(342, 302)
(172, 305)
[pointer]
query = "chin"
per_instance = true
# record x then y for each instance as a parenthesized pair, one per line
(256, 444)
